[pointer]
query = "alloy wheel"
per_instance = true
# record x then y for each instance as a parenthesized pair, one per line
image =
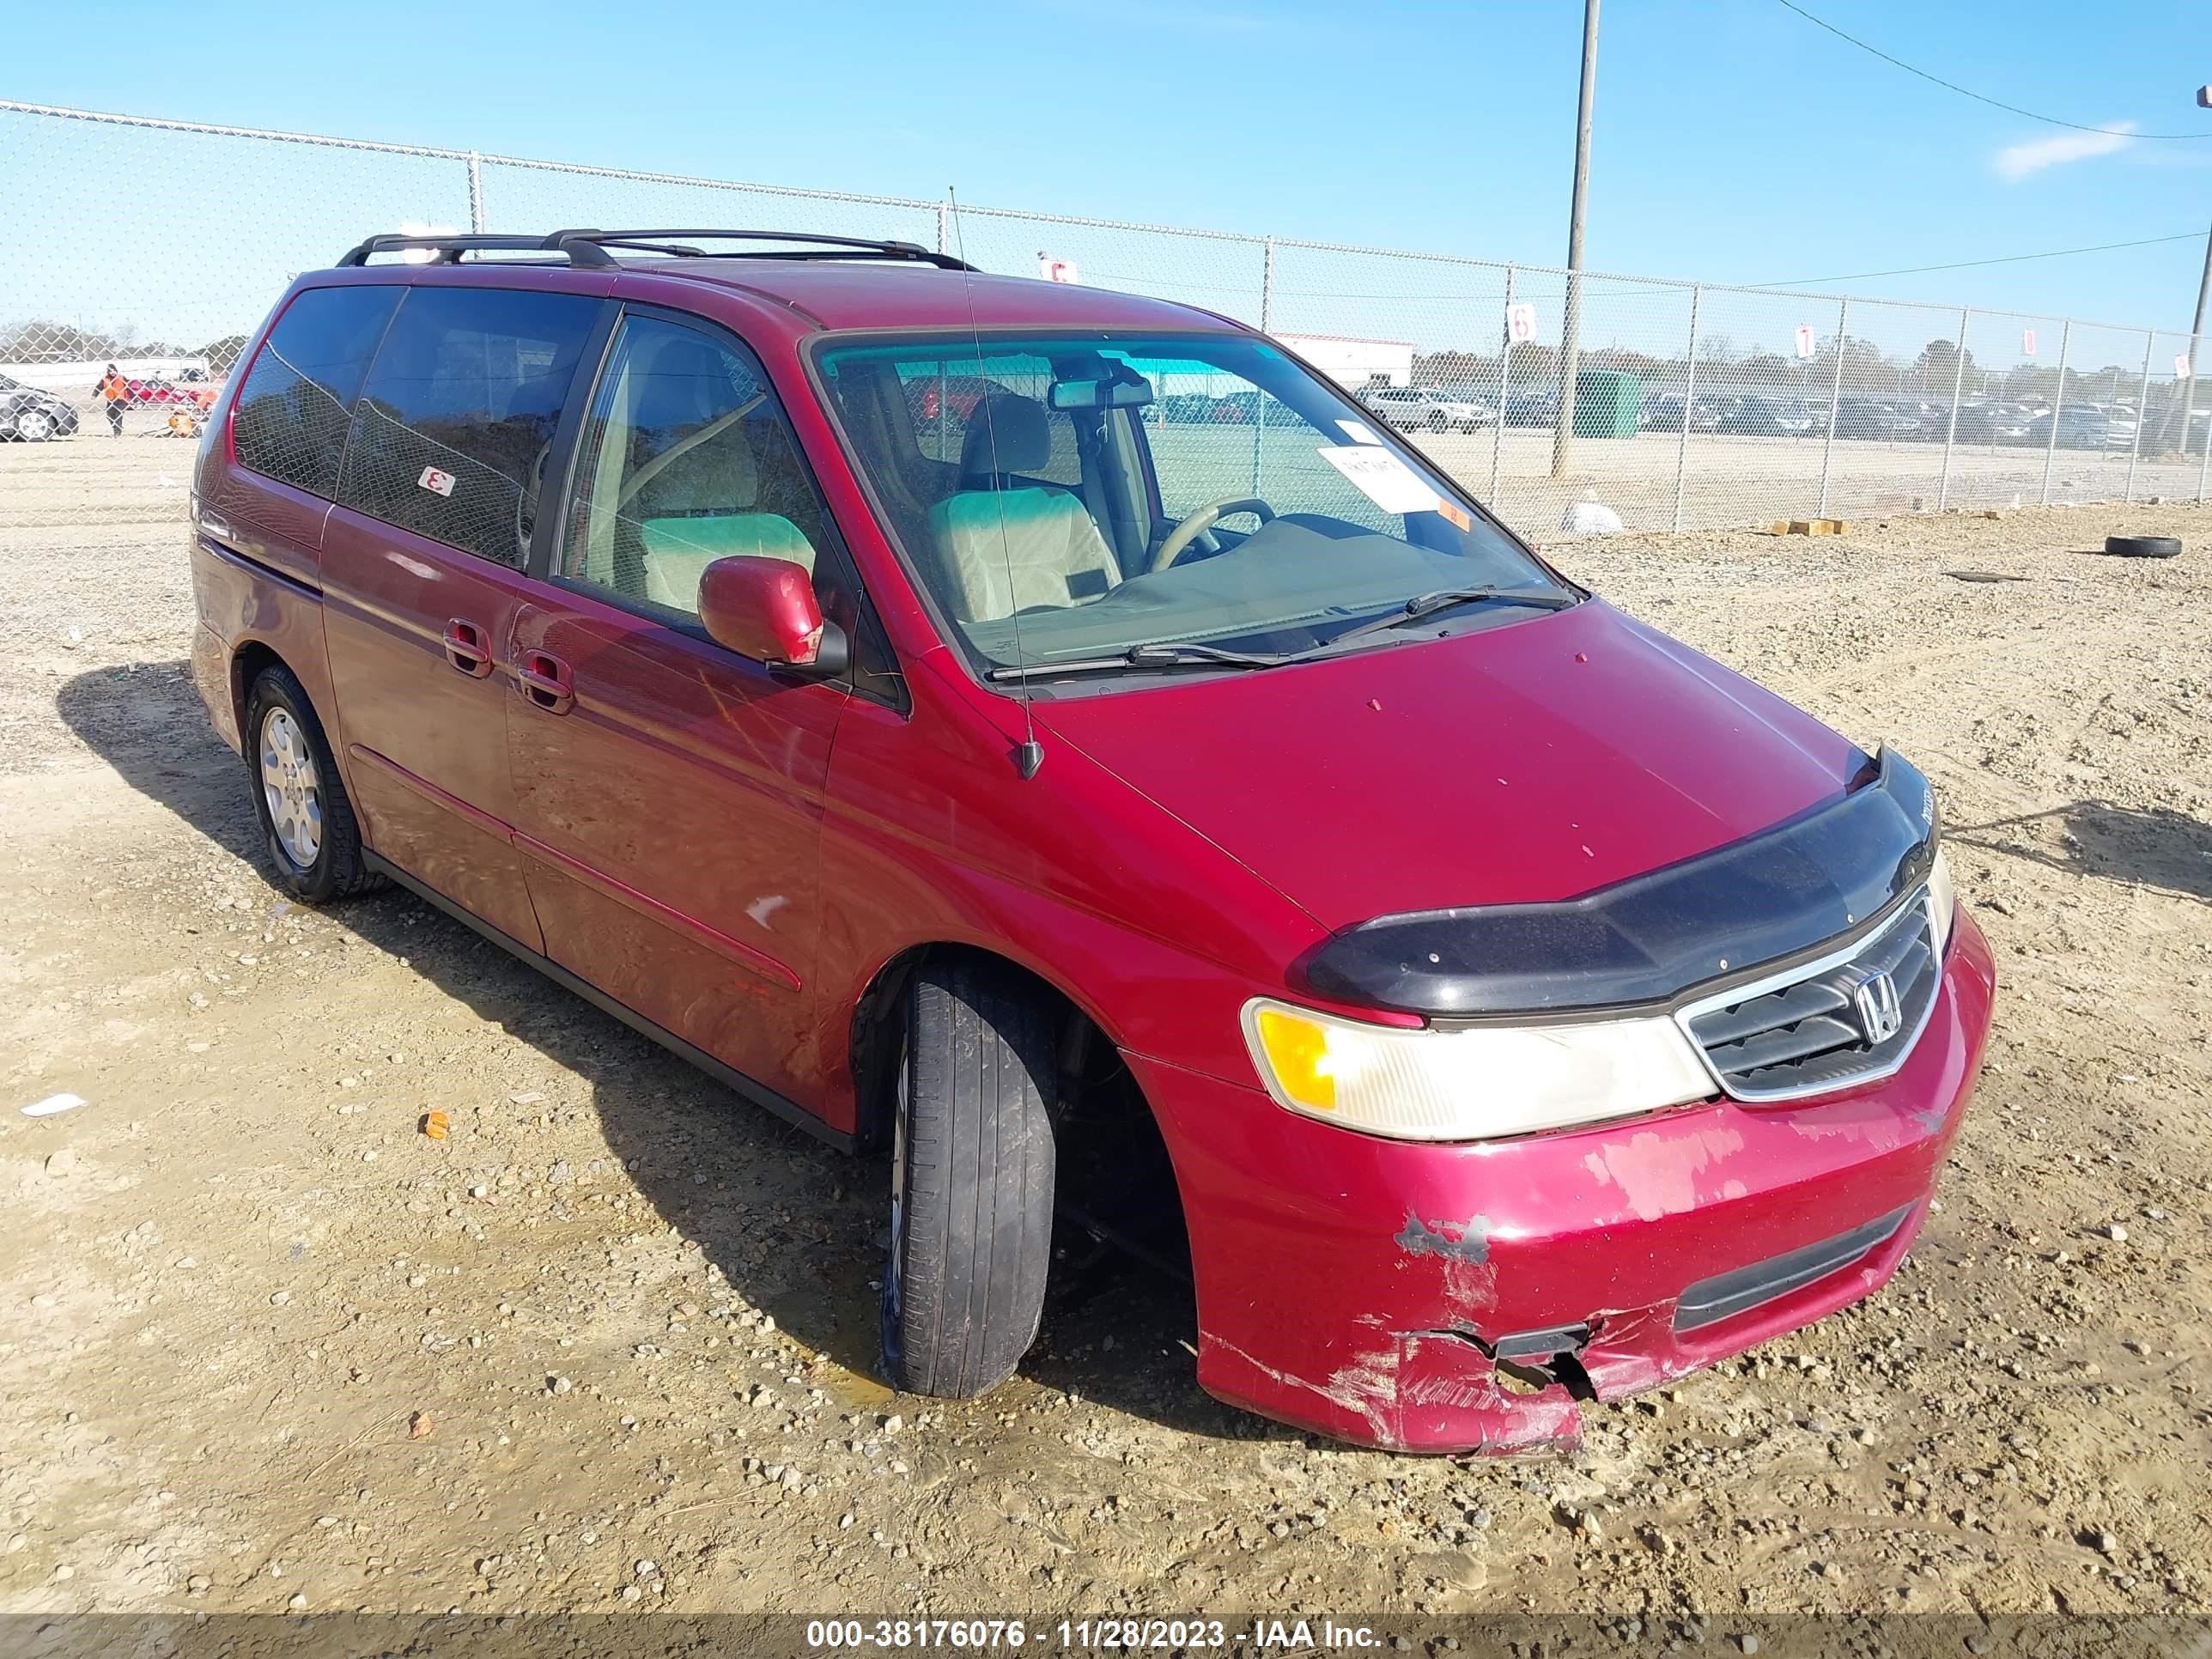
(292, 787)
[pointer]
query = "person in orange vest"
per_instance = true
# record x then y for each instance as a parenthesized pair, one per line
(117, 391)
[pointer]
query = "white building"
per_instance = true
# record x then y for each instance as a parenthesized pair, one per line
(1355, 363)
(76, 380)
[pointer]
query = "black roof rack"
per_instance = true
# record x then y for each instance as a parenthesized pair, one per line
(590, 247)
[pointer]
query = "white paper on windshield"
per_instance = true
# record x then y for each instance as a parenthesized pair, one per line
(1382, 477)
(1359, 432)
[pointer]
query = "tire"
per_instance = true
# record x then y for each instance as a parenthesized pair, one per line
(1437, 423)
(34, 426)
(2142, 547)
(314, 847)
(972, 1179)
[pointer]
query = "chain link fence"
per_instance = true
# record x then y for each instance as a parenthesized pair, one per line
(156, 246)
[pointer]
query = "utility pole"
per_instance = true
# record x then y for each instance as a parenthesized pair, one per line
(2197, 323)
(1563, 433)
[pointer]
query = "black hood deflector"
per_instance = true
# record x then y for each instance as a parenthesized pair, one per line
(1646, 940)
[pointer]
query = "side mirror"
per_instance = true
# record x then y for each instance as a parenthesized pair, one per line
(765, 609)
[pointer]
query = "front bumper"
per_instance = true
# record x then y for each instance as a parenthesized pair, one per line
(1361, 1287)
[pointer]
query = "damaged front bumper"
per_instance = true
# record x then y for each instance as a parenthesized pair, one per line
(1466, 1297)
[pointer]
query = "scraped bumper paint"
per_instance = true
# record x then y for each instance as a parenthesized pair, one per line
(1363, 1287)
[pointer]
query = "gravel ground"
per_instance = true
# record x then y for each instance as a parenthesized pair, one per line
(609, 1346)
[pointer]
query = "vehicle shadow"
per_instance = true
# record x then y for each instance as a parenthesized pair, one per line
(796, 1228)
(2158, 847)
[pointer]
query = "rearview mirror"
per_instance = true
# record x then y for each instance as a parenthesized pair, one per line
(1125, 390)
(765, 609)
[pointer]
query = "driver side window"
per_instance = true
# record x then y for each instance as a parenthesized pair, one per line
(684, 459)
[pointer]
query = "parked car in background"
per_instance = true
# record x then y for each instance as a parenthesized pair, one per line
(1993, 424)
(1773, 417)
(1662, 412)
(161, 391)
(1875, 418)
(1486, 1003)
(32, 417)
(1536, 408)
(2084, 425)
(934, 398)
(1419, 409)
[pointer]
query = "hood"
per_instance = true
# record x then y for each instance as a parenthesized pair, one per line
(1519, 763)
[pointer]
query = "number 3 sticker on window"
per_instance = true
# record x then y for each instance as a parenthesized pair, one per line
(437, 483)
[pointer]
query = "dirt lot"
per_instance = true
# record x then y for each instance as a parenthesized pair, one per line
(610, 1346)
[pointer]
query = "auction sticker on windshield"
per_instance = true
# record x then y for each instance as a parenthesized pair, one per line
(1382, 477)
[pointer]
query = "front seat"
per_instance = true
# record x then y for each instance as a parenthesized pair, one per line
(1008, 549)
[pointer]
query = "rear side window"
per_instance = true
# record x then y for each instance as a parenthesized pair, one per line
(290, 423)
(455, 424)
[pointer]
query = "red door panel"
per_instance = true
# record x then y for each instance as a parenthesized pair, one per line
(416, 635)
(669, 794)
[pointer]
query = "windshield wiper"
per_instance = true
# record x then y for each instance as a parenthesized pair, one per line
(1450, 598)
(1169, 654)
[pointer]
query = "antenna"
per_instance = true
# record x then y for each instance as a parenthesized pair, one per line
(1031, 756)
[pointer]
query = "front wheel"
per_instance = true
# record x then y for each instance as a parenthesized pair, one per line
(972, 1170)
(34, 426)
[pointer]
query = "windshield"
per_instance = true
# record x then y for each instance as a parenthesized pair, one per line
(1074, 497)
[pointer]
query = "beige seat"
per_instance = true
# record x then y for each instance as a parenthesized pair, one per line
(698, 506)
(1004, 549)
(678, 550)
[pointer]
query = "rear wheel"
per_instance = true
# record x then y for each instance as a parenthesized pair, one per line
(972, 1168)
(307, 823)
(1436, 422)
(34, 426)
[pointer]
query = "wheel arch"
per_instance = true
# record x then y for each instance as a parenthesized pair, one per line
(1117, 1178)
(879, 1014)
(247, 660)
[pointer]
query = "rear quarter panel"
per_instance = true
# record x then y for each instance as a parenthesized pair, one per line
(242, 605)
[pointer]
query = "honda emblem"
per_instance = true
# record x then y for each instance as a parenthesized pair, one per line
(1875, 1002)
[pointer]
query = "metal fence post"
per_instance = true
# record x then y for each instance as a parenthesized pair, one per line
(1689, 397)
(2204, 461)
(2143, 412)
(475, 193)
(1267, 317)
(2058, 403)
(1951, 432)
(1505, 387)
(1835, 399)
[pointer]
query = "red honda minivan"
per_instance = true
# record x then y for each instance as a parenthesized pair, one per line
(870, 678)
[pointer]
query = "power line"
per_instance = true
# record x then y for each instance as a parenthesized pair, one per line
(1979, 97)
(1962, 265)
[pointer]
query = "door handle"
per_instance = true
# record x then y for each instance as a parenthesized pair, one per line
(546, 683)
(468, 649)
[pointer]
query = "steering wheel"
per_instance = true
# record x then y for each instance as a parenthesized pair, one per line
(1198, 523)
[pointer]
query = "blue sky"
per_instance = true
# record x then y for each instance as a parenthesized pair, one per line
(1734, 142)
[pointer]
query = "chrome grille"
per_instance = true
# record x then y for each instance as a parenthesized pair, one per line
(1846, 1018)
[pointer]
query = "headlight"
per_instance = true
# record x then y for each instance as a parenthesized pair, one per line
(1475, 1083)
(1942, 902)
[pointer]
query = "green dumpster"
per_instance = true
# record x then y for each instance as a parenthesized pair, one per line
(1608, 403)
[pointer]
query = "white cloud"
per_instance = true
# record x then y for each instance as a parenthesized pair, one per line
(2018, 160)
